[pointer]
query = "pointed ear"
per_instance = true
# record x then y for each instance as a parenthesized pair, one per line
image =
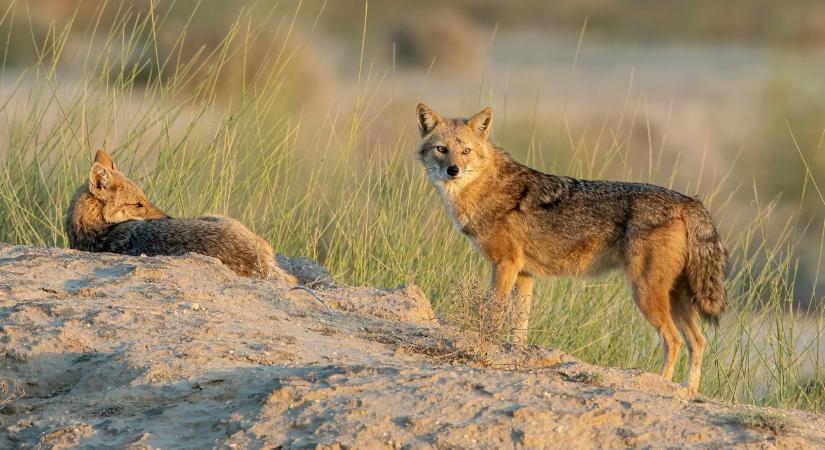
(105, 160)
(427, 119)
(481, 122)
(100, 178)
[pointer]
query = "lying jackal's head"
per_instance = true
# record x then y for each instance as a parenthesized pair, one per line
(453, 150)
(120, 199)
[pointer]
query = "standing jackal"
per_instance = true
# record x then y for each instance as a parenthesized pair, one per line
(112, 214)
(529, 223)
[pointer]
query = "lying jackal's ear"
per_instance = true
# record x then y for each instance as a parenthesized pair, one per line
(427, 119)
(480, 123)
(100, 178)
(103, 158)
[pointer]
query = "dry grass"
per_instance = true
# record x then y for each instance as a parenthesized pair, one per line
(442, 349)
(485, 322)
(586, 377)
(10, 390)
(773, 422)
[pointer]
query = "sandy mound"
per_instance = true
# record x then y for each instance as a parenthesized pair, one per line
(105, 350)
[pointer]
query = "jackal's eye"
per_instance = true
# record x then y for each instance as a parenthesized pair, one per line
(138, 205)
(466, 151)
(441, 149)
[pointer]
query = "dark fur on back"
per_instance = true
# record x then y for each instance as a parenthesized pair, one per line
(561, 215)
(576, 212)
(221, 237)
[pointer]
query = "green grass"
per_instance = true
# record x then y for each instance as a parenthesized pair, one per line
(214, 129)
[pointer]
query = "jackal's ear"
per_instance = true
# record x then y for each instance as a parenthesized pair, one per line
(427, 119)
(103, 158)
(480, 123)
(100, 178)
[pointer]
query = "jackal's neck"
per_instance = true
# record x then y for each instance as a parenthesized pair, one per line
(84, 224)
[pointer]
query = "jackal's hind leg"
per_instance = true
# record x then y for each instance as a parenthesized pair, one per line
(656, 309)
(655, 260)
(684, 314)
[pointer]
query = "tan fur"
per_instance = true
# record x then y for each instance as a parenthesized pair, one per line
(108, 198)
(528, 223)
(112, 214)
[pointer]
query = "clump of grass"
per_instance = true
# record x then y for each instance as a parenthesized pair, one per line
(586, 377)
(441, 349)
(485, 322)
(10, 390)
(323, 186)
(773, 422)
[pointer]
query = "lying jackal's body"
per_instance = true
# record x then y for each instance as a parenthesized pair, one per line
(112, 214)
(529, 223)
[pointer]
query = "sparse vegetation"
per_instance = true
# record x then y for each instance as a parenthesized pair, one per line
(771, 421)
(10, 390)
(486, 323)
(324, 186)
(586, 377)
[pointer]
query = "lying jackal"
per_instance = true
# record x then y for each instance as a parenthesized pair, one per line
(529, 223)
(112, 214)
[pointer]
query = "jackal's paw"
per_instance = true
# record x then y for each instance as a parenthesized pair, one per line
(692, 387)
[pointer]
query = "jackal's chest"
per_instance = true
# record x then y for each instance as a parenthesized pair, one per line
(460, 215)
(461, 221)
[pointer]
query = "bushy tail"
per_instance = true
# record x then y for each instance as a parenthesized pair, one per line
(706, 262)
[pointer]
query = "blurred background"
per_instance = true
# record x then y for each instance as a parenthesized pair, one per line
(297, 118)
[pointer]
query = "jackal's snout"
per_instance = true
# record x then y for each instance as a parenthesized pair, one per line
(453, 171)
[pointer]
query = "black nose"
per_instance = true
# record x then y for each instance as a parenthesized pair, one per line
(452, 170)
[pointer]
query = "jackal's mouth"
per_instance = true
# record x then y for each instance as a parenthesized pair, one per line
(458, 176)
(446, 178)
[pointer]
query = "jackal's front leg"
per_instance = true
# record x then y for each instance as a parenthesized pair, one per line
(524, 293)
(504, 278)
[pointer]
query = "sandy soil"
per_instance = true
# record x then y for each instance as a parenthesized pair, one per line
(100, 350)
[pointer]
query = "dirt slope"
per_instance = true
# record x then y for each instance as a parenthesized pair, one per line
(101, 350)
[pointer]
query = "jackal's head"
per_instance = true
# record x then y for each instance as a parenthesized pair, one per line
(120, 199)
(454, 151)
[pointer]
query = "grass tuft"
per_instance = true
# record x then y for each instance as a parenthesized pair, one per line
(486, 323)
(773, 422)
(10, 390)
